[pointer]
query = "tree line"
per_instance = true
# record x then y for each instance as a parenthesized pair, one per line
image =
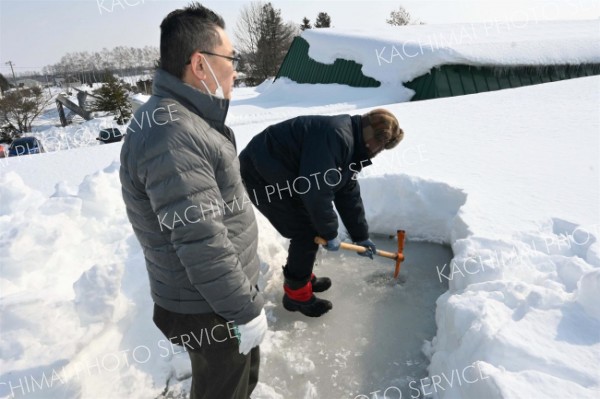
(90, 67)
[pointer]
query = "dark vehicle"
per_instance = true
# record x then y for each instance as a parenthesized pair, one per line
(25, 146)
(110, 135)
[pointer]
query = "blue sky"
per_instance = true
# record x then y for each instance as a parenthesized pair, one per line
(35, 33)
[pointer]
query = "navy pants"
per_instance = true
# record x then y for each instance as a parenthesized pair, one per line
(289, 217)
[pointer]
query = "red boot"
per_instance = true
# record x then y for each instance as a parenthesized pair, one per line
(299, 297)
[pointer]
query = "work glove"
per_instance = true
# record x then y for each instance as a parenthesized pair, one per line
(252, 333)
(371, 249)
(333, 244)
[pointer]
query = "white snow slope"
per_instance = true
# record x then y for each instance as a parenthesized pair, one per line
(509, 179)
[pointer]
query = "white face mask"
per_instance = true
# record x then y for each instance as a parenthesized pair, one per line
(219, 91)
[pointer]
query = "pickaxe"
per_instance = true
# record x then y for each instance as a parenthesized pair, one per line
(398, 257)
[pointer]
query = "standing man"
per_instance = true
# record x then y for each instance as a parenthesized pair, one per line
(295, 170)
(179, 173)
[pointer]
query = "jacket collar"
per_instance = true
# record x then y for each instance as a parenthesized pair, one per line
(210, 108)
(361, 155)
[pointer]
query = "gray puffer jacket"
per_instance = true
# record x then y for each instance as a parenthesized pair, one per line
(189, 210)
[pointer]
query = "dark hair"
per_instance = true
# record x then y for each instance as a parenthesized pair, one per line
(184, 31)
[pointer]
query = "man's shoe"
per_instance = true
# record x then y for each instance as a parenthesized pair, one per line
(314, 307)
(320, 284)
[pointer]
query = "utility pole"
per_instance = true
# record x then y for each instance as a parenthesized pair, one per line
(13, 71)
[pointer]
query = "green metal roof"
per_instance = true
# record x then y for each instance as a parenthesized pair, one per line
(300, 68)
(456, 80)
(441, 81)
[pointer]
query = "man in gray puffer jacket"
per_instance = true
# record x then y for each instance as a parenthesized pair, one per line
(184, 197)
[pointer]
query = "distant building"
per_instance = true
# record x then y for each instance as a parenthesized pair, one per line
(28, 83)
(446, 60)
(62, 82)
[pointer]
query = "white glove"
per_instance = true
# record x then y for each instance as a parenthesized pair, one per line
(252, 333)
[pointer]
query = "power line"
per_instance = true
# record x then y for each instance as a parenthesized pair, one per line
(21, 67)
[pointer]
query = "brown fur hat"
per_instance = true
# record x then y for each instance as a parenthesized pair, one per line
(385, 127)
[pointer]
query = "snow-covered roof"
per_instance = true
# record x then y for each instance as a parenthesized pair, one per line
(396, 54)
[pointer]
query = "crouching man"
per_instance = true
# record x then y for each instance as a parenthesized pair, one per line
(296, 170)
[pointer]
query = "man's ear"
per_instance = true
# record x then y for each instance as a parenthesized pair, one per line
(197, 66)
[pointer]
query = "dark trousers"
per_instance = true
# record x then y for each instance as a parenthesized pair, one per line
(218, 369)
(289, 217)
(224, 374)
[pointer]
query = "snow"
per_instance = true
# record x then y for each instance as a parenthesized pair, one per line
(394, 55)
(510, 180)
(284, 99)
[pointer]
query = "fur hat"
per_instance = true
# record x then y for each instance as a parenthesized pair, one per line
(385, 127)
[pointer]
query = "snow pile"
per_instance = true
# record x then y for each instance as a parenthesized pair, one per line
(394, 55)
(517, 309)
(72, 285)
(588, 293)
(74, 256)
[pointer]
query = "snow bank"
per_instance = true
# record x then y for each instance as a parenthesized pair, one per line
(75, 296)
(426, 209)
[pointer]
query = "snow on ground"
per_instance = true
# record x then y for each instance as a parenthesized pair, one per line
(509, 179)
(284, 99)
(45, 171)
(258, 106)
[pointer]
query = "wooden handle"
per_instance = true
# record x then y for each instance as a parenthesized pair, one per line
(358, 248)
(320, 241)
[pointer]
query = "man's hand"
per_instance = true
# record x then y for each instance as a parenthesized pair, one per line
(333, 244)
(371, 248)
(252, 333)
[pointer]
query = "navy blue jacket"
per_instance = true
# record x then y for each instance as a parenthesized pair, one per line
(318, 158)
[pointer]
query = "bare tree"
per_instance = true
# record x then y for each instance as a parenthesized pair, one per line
(65, 67)
(402, 17)
(263, 39)
(247, 32)
(19, 108)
